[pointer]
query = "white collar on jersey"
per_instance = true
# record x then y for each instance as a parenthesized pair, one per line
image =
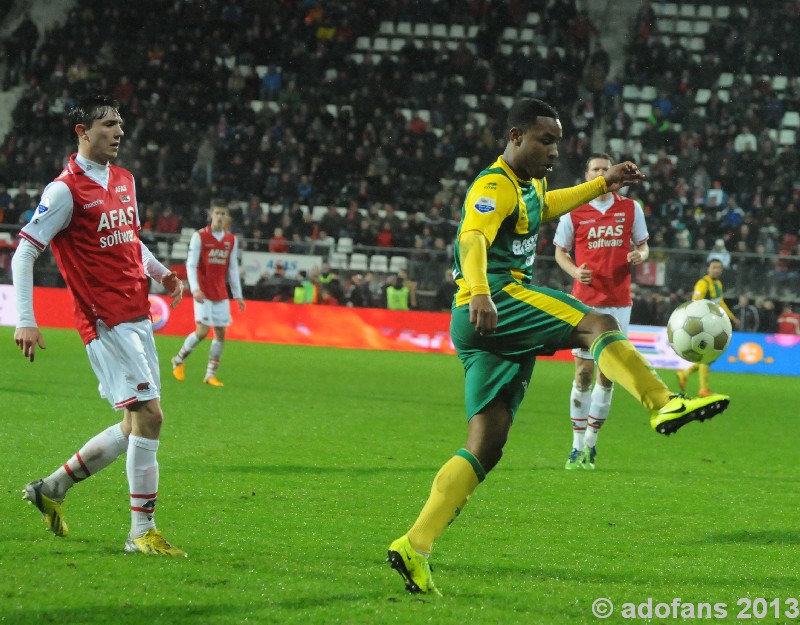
(601, 205)
(95, 171)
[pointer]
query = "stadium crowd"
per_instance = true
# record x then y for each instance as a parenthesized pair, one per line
(389, 139)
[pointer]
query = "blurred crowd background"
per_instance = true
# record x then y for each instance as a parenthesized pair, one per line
(350, 129)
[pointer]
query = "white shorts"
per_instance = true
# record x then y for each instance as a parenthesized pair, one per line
(216, 314)
(623, 316)
(125, 362)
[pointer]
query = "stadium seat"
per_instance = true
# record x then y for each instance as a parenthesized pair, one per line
(344, 245)
(403, 29)
(643, 110)
(723, 12)
(358, 262)
(338, 260)
(533, 18)
(380, 44)
(379, 263)
(257, 106)
(705, 12)
(529, 86)
(791, 119)
(648, 93)
(461, 164)
(787, 136)
(471, 100)
(616, 147)
(180, 250)
(439, 31)
(457, 32)
(363, 43)
(725, 80)
(683, 27)
(398, 263)
(700, 28)
(687, 11)
(317, 212)
(631, 93)
(386, 28)
(422, 30)
(509, 35)
(779, 83)
(702, 96)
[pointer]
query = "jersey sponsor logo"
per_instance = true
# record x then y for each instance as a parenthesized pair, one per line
(42, 208)
(92, 204)
(523, 247)
(143, 386)
(116, 217)
(604, 231)
(586, 221)
(620, 220)
(121, 188)
(125, 199)
(485, 205)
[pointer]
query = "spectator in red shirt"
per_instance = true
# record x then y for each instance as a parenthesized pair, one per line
(788, 321)
(384, 237)
(168, 222)
(278, 244)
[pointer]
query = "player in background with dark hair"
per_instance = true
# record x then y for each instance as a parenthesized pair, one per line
(501, 322)
(601, 233)
(708, 287)
(212, 264)
(90, 217)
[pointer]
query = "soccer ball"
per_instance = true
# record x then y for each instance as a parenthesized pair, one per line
(699, 331)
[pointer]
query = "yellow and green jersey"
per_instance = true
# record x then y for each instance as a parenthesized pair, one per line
(711, 289)
(508, 212)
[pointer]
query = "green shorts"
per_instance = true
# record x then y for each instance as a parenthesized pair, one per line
(531, 320)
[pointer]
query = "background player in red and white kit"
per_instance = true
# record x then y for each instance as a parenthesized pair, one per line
(601, 233)
(212, 264)
(89, 216)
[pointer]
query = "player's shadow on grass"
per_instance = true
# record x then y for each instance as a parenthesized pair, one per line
(123, 614)
(755, 537)
(305, 470)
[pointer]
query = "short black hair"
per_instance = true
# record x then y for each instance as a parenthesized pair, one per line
(91, 107)
(524, 112)
(595, 155)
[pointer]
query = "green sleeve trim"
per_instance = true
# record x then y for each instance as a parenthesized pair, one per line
(602, 341)
(476, 465)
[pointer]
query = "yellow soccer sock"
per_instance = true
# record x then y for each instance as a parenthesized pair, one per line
(451, 489)
(690, 371)
(704, 371)
(621, 363)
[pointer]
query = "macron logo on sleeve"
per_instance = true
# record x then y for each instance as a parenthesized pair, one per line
(485, 205)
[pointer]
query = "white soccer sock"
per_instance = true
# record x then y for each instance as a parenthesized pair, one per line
(94, 456)
(142, 469)
(188, 345)
(578, 412)
(214, 356)
(598, 413)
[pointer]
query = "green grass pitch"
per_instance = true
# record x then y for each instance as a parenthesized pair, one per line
(287, 485)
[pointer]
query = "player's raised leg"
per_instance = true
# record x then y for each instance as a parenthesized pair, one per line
(48, 494)
(621, 363)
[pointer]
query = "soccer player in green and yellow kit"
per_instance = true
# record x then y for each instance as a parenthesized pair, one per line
(708, 287)
(501, 322)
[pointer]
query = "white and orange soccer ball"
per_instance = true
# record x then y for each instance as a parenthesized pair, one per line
(699, 331)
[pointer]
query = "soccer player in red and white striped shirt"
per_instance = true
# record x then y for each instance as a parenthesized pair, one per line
(606, 236)
(90, 218)
(211, 266)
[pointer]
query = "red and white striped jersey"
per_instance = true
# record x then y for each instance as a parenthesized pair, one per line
(601, 234)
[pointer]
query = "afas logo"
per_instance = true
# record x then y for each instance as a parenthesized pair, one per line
(159, 312)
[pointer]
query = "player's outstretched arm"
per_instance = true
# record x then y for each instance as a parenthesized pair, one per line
(621, 175)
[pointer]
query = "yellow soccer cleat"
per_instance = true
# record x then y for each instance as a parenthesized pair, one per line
(213, 381)
(178, 372)
(50, 508)
(152, 542)
(680, 410)
(412, 566)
